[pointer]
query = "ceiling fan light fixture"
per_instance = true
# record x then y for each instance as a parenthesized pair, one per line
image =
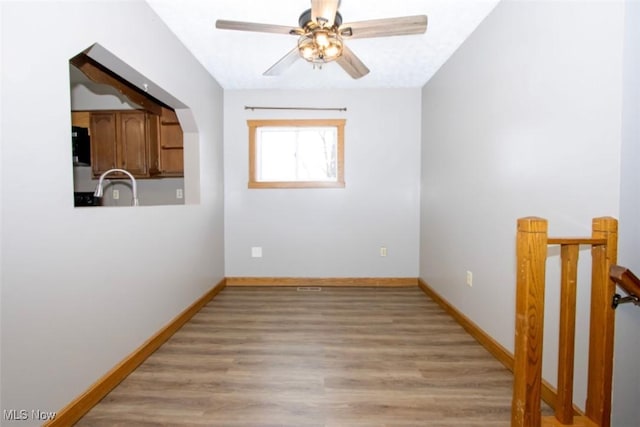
(321, 38)
(320, 46)
(333, 52)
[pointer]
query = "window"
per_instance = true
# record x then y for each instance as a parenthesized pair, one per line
(296, 153)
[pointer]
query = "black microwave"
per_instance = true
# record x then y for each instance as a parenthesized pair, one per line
(81, 145)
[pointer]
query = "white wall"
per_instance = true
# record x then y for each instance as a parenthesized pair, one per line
(87, 95)
(329, 232)
(1, 204)
(68, 315)
(626, 379)
(524, 119)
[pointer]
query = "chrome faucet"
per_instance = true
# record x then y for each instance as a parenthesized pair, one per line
(134, 186)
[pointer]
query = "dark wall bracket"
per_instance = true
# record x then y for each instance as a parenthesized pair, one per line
(619, 299)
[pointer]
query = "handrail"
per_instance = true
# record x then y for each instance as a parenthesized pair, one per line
(629, 283)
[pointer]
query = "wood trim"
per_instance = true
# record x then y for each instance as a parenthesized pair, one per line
(71, 413)
(253, 125)
(98, 73)
(297, 122)
(549, 393)
(296, 184)
(324, 281)
(550, 421)
(497, 350)
(576, 241)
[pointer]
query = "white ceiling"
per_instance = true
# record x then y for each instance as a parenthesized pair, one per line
(237, 59)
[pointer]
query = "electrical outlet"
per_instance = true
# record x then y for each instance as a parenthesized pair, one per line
(179, 193)
(383, 251)
(469, 278)
(256, 252)
(116, 194)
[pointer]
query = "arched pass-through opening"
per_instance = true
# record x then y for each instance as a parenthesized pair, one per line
(122, 120)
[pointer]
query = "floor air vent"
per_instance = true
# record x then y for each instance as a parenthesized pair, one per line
(309, 289)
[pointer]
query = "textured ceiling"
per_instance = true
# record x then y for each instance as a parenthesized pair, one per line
(237, 59)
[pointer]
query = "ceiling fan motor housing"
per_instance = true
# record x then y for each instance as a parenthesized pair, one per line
(307, 23)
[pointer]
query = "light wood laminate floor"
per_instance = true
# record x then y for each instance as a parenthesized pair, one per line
(338, 357)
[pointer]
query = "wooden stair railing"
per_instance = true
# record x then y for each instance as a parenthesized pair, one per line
(628, 282)
(532, 242)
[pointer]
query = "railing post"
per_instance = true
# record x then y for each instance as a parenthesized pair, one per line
(531, 258)
(601, 328)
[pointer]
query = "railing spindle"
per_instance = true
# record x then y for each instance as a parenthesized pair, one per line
(568, 285)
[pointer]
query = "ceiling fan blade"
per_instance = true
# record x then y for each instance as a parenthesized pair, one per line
(352, 64)
(260, 28)
(284, 63)
(324, 9)
(385, 27)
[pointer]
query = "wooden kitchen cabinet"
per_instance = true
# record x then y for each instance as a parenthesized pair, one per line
(124, 139)
(103, 142)
(170, 145)
(81, 119)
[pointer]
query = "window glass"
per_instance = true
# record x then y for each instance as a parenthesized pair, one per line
(296, 153)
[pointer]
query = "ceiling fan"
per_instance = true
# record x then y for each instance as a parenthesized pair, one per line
(322, 34)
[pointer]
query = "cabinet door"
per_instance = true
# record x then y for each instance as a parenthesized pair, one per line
(171, 143)
(172, 162)
(103, 142)
(171, 135)
(153, 138)
(171, 152)
(132, 147)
